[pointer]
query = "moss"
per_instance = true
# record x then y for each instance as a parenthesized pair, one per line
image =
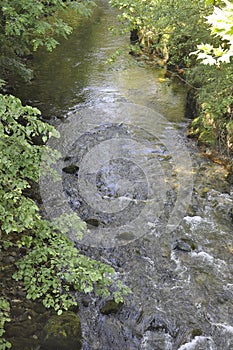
(62, 332)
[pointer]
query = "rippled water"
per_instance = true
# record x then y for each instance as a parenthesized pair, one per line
(156, 211)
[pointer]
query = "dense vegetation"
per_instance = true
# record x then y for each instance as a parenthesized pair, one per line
(193, 38)
(50, 268)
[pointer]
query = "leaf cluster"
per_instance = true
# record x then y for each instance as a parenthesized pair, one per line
(166, 28)
(214, 122)
(4, 317)
(53, 269)
(221, 25)
(19, 163)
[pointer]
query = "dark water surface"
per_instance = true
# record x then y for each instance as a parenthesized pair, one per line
(156, 211)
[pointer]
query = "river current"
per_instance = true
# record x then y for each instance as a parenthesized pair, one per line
(156, 210)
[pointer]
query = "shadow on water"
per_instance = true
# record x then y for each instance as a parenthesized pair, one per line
(60, 77)
(179, 264)
(76, 71)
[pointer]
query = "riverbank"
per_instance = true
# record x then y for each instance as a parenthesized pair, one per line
(158, 42)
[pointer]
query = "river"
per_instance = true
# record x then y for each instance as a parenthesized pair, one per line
(157, 211)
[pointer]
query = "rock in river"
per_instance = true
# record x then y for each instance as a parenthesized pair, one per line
(62, 333)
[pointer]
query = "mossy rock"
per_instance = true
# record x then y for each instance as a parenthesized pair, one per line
(21, 343)
(25, 329)
(111, 307)
(62, 332)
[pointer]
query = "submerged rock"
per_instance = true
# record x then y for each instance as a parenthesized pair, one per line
(93, 222)
(110, 307)
(62, 333)
(157, 325)
(183, 246)
(71, 169)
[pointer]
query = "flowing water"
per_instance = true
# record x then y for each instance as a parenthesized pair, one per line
(156, 211)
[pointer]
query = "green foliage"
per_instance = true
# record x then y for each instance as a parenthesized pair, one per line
(165, 28)
(4, 317)
(181, 39)
(27, 25)
(221, 22)
(53, 270)
(20, 160)
(120, 292)
(213, 125)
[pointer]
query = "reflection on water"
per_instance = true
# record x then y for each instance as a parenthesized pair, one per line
(77, 72)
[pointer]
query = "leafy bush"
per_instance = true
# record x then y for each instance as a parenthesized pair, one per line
(166, 27)
(53, 270)
(20, 159)
(213, 125)
(4, 317)
(221, 22)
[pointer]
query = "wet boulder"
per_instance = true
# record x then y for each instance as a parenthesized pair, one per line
(62, 332)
